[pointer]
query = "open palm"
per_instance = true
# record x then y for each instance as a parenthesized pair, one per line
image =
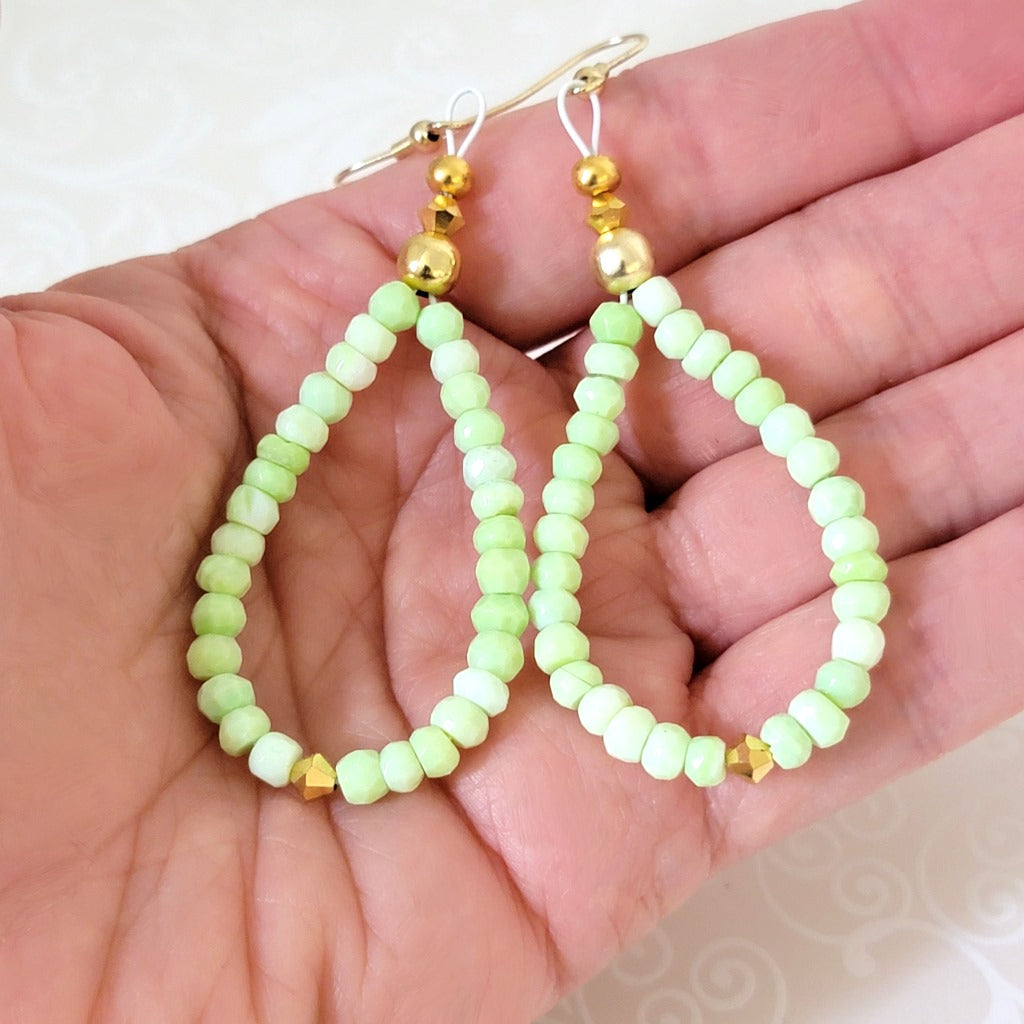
(853, 181)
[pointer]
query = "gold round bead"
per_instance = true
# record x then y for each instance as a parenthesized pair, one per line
(424, 135)
(593, 175)
(622, 260)
(429, 263)
(449, 174)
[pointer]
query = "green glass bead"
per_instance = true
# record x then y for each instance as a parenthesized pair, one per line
(600, 396)
(843, 682)
(577, 462)
(859, 641)
(454, 357)
(503, 571)
(835, 497)
(439, 322)
(654, 300)
(434, 750)
(811, 460)
(664, 753)
(617, 323)
(705, 760)
(249, 506)
(272, 758)
(595, 432)
(559, 644)
(369, 336)
(570, 682)
(758, 399)
(550, 606)
(555, 532)
(395, 306)
(675, 335)
(218, 613)
(484, 689)
(223, 693)
(788, 741)
(321, 393)
(497, 498)
(224, 574)
(608, 359)
(478, 427)
(271, 479)
(212, 654)
(302, 426)
(463, 392)
(496, 652)
(241, 728)
(825, 723)
(463, 722)
(861, 599)
(861, 565)
(706, 354)
(486, 464)
(599, 705)
(359, 777)
(849, 536)
(568, 497)
(349, 367)
(239, 541)
(734, 373)
(276, 449)
(627, 733)
(785, 426)
(502, 613)
(499, 532)
(400, 766)
(555, 570)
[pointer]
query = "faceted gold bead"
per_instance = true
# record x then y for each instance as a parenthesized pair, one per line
(593, 175)
(451, 174)
(313, 776)
(442, 216)
(622, 260)
(750, 758)
(429, 263)
(606, 213)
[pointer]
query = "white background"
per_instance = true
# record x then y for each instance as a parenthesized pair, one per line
(130, 128)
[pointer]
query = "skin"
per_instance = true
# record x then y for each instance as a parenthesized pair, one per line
(839, 193)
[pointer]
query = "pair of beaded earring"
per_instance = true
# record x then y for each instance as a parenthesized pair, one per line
(429, 266)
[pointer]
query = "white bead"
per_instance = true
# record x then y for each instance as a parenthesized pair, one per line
(655, 299)
(350, 367)
(627, 733)
(570, 682)
(676, 334)
(600, 705)
(859, 641)
(370, 337)
(452, 357)
(486, 463)
(272, 758)
(483, 688)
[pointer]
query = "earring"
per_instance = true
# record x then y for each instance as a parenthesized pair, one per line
(816, 716)
(429, 266)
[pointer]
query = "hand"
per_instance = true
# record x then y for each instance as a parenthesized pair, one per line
(853, 182)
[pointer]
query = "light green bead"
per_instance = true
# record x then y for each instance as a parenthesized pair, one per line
(369, 336)
(611, 360)
(218, 613)
(570, 682)
(734, 373)
(223, 693)
(478, 427)
(859, 641)
(555, 532)
(249, 506)
(395, 306)
(271, 479)
(302, 426)
(568, 497)
(664, 753)
(499, 532)
(502, 613)
(678, 331)
(272, 758)
(758, 399)
(224, 574)
(835, 497)
(462, 720)
(849, 536)
(434, 750)
(486, 464)
(276, 449)
(503, 571)
(616, 322)
(822, 720)
(861, 565)
(811, 460)
(550, 606)
(577, 462)
(360, 778)
(627, 733)
(484, 689)
(239, 541)
(785, 426)
(599, 705)
(496, 652)
(595, 432)
(655, 299)
(860, 600)
(555, 570)
(330, 400)
(463, 392)
(212, 655)
(349, 367)
(559, 644)
(843, 682)
(439, 322)
(705, 760)
(454, 357)
(241, 728)
(600, 396)
(400, 766)
(497, 498)
(788, 740)
(706, 354)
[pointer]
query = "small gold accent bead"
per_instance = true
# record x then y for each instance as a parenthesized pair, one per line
(429, 263)
(593, 175)
(606, 213)
(751, 758)
(451, 174)
(442, 216)
(622, 260)
(313, 776)
(424, 135)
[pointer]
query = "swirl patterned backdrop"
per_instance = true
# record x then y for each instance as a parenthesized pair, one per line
(131, 128)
